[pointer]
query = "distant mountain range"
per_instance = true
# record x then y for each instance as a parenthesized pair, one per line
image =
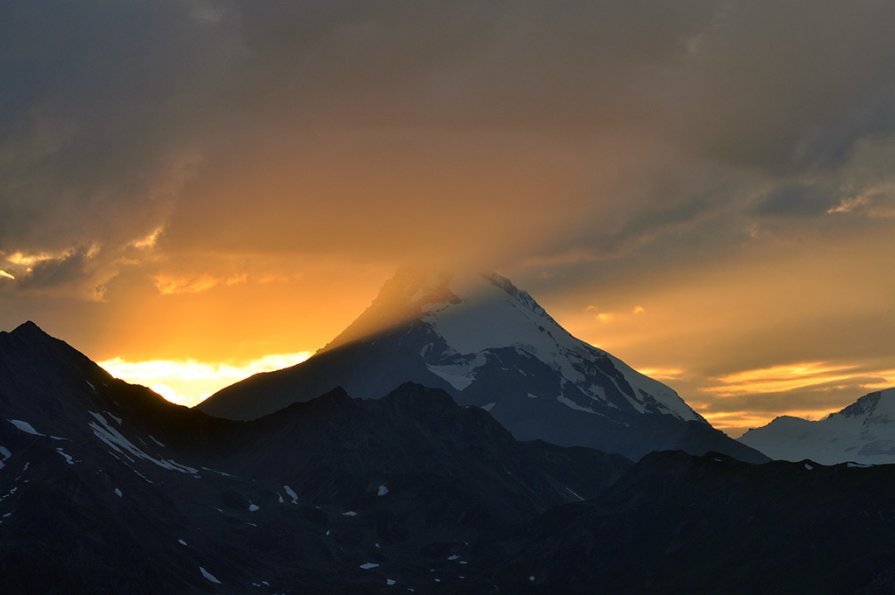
(863, 432)
(490, 345)
(106, 487)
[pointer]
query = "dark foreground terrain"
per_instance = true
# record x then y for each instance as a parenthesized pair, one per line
(107, 488)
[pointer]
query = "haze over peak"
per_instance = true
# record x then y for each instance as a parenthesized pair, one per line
(416, 290)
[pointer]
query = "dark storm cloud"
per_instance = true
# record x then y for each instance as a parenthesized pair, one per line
(53, 273)
(284, 125)
(93, 98)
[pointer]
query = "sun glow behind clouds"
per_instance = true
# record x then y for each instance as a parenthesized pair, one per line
(781, 378)
(189, 382)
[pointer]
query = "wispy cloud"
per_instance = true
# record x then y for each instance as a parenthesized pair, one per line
(668, 374)
(781, 378)
(176, 284)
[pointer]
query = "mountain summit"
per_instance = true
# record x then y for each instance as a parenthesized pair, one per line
(491, 345)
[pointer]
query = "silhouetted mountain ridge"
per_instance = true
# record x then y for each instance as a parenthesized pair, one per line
(305, 496)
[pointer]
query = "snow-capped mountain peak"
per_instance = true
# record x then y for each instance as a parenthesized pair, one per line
(863, 432)
(491, 345)
(471, 317)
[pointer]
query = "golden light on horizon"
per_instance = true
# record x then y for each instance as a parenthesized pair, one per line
(780, 378)
(736, 423)
(189, 382)
(663, 373)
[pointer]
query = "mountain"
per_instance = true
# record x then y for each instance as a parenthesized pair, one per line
(681, 524)
(107, 487)
(863, 432)
(490, 345)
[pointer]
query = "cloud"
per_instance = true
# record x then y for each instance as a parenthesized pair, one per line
(305, 118)
(57, 271)
(876, 201)
(781, 378)
(795, 200)
(626, 149)
(665, 374)
(174, 284)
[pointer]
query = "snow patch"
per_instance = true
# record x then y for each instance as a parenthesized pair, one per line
(662, 396)
(4, 456)
(573, 405)
(291, 493)
(181, 542)
(116, 441)
(574, 493)
(382, 491)
(489, 406)
(24, 426)
(390, 582)
(68, 458)
(209, 577)
(349, 513)
(210, 469)
(459, 375)
(369, 565)
(118, 493)
(253, 507)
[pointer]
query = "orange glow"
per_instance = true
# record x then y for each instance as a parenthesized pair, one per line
(886, 380)
(737, 422)
(169, 285)
(188, 382)
(26, 261)
(148, 241)
(663, 373)
(777, 379)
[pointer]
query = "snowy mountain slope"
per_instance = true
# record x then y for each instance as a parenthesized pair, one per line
(491, 345)
(863, 432)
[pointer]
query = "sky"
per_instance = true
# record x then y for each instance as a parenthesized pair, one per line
(193, 190)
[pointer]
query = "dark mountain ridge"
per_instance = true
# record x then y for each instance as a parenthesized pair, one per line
(105, 487)
(115, 473)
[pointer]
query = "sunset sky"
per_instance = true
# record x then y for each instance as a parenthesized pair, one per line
(192, 190)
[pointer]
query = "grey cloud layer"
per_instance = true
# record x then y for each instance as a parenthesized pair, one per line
(118, 118)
